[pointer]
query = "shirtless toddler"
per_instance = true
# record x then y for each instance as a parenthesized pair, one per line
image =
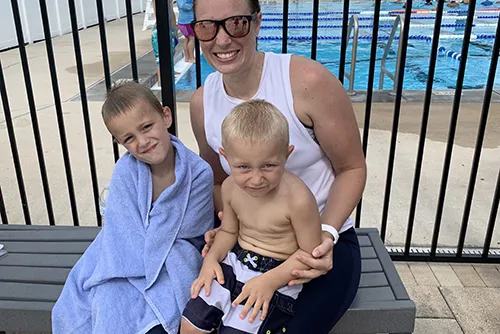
(269, 213)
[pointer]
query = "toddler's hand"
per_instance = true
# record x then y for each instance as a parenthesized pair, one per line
(259, 292)
(211, 269)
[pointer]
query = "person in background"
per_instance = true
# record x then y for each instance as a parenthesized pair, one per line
(173, 33)
(186, 16)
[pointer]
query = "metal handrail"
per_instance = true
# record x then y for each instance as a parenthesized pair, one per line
(383, 70)
(353, 23)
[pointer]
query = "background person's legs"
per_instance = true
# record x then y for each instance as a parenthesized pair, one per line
(190, 49)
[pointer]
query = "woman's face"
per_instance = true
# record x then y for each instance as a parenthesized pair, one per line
(227, 54)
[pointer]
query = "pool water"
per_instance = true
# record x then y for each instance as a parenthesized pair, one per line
(418, 51)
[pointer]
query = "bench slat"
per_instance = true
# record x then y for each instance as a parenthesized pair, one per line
(364, 241)
(34, 274)
(25, 316)
(48, 235)
(372, 294)
(47, 247)
(373, 280)
(20, 227)
(370, 266)
(40, 260)
(30, 292)
(389, 268)
(396, 316)
(368, 253)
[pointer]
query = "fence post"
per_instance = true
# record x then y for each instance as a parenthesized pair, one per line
(166, 59)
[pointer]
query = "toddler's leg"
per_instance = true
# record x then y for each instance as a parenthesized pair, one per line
(188, 328)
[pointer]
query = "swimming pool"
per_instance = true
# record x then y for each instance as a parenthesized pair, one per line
(418, 51)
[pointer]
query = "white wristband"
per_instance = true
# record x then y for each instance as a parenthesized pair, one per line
(330, 229)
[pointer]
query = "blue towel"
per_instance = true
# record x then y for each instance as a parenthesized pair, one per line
(138, 271)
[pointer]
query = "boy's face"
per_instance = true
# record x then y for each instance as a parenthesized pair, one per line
(143, 132)
(256, 168)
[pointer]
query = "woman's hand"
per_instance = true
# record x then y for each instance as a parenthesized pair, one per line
(210, 237)
(321, 261)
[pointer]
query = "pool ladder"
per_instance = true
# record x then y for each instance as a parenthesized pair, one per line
(353, 23)
(398, 23)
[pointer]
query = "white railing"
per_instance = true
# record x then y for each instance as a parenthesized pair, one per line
(59, 17)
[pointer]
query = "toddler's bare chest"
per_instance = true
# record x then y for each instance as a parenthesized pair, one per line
(263, 217)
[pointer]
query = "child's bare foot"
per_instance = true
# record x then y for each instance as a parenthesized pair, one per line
(192, 60)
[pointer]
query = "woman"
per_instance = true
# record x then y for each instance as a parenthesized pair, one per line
(323, 130)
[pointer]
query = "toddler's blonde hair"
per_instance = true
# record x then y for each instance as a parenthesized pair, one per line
(255, 121)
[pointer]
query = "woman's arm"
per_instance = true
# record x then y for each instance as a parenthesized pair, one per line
(321, 101)
(206, 152)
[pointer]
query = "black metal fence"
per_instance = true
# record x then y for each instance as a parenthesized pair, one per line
(168, 98)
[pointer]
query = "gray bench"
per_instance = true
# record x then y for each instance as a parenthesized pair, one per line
(32, 275)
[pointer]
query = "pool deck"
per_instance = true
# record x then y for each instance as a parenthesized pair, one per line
(450, 298)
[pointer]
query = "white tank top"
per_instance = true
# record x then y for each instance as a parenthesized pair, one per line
(308, 161)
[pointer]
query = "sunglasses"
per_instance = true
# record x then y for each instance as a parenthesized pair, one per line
(234, 26)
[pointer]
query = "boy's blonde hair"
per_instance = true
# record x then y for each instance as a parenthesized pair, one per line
(124, 97)
(255, 121)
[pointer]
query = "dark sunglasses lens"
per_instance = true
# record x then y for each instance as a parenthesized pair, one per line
(205, 30)
(238, 26)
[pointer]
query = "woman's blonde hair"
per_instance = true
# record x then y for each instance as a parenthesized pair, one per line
(255, 121)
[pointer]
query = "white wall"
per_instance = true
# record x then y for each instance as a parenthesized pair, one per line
(58, 11)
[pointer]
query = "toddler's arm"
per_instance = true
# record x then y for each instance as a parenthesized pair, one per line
(228, 234)
(224, 241)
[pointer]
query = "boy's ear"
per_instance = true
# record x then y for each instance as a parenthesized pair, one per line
(222, 152)
(290, 150)
(167, 116)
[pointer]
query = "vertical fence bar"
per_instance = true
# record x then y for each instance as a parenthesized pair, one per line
(479, 141)
(284, 41)
(314, 44)
(13, 147)
(33, 114)
(491, 222)
(85, 108)
(369, 93)
(166, 59)
(423, 128)
(3, 212)
(397, 108)
(344, 41)
(131, 40)
(105, 61)
(453, 126)
(104, 43)
(59, 112)
(198, 62)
